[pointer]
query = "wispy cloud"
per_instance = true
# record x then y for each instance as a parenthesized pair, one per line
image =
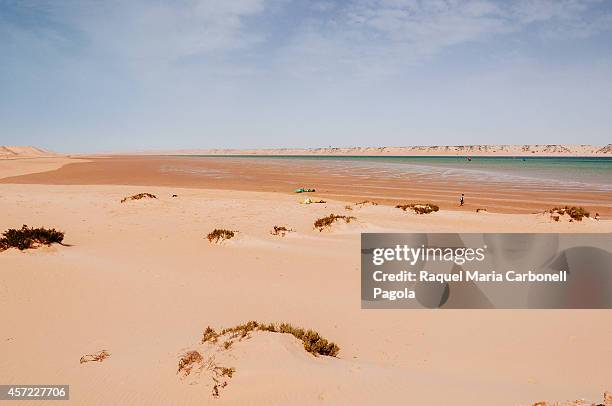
(220, 64)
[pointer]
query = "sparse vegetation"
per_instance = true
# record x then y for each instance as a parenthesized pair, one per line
(348, 207)
(313, 342)
(366, 203)
(220, 235)
(97, 357)
(138, 197)
(26, 238)
(419, 208)
(187, 360)
(326, 222)
(209, 335)
(481, 209)
(575, 213)
(218, 377)
(280, 230)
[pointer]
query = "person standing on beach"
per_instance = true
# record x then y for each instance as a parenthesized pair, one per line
(461, 200)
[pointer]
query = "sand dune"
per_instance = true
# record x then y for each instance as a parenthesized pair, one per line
(140, 280)
(23, 152)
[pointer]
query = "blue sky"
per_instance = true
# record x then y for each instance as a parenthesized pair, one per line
(85, 75)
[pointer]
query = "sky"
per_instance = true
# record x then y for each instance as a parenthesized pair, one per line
(94, 75)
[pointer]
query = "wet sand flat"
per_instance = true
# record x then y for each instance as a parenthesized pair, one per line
(334, 180)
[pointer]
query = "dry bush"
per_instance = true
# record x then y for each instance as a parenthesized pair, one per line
(26, 238)
(481, 209)
(97, 357)
(366, 202)
(326, 222)
(313, 342)
(280, 230)
(419, 208)
(220, 235)
(210, 335)
(576, 213)
(348, 207)
(219, 373)
(187, 360)
(138, 197)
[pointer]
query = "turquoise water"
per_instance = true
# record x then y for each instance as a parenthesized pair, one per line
(571, 172)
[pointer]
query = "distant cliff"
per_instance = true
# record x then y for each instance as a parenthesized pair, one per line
(455, 150)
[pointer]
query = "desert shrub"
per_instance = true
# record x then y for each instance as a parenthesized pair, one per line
(366, 202)
(219, 373)
(348, 207)
(280, 230)
(187, 360)
(97, 357)
(225, 371)
(326, 222)
(26, 237)
(419, 208)
(219, 235)
(138, 197)
(576, 213)
(313, 342)
(209, 335)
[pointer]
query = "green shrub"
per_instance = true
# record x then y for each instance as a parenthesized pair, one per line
(280, 230)
(26, 238)
(419, 208)
(138, 197)
(576, 213)
(313, 342)
(219, 235)
(187, 360)
(326, 222)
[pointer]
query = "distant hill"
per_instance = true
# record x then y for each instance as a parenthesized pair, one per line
(454, 150)
(23, 152)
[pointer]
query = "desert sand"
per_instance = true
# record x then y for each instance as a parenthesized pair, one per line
(140, 280)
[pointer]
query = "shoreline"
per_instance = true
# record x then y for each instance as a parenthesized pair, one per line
(346, 184)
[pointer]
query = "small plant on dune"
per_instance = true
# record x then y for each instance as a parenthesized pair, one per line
(138, 197)
(97, 357)
(366, 202)
(348, 207)
(187, 360)
(210, 335)
(26, 238)
(576, 213)
(312, 341)
(280, 230)
(219, 373)
(220, 235)
(326, 222)
(419, 208)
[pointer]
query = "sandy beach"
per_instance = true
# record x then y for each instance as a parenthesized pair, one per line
(140, 280)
